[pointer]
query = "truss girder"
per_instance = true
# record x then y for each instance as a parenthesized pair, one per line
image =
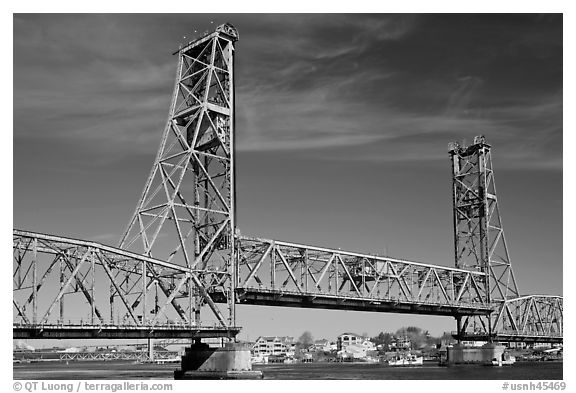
(527, 318)
(313, 272)
(102, 288)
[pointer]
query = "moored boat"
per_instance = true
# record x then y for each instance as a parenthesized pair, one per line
(260, 359)
(406, 360)
(504, 360)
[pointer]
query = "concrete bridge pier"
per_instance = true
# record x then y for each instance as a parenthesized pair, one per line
(459, 354)
(232, 361)
(151, 349)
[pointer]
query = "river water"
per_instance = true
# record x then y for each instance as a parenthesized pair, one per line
(362, 371)
(519, 371)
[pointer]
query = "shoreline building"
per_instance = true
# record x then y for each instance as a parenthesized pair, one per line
(346, 339)
(274, 345)
(354, 346)
(401, 343)
(324, 345)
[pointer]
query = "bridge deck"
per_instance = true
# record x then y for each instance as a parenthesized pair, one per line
(267, 297)
(510, 337)
(27, 331)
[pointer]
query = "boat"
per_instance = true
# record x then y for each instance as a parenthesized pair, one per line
(260, 359)
(406, 360)
(504, 360)
(167, 360)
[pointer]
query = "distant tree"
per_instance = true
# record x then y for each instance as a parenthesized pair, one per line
(413, 330)
(306, 339)
(417, 337)
(384, 339)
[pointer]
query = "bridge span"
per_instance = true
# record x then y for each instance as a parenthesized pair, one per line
(60, 268)
(278, 273)
(181, 266)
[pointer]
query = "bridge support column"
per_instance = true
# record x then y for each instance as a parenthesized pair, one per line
(459, 328)
(151, 349)
(232, 361)
(460, 354)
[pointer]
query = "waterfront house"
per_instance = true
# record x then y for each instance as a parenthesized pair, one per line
(355, 346)
(274, 345)
(402, 343)
(346, 339)
(322, 345)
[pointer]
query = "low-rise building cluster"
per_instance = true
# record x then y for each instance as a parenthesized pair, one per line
(268, 349)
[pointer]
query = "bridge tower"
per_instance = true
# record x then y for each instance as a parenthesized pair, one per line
(479, 241)
(186, 214)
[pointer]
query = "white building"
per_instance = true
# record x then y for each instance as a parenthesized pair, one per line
(346, 339)
(323, 345)
(274, 345)
(354, 345)
(401, 343)
(368, 345)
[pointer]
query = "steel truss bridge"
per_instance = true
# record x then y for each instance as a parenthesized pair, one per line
(182, 265)
(140, 356)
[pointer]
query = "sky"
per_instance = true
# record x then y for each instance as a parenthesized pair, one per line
(343, 122)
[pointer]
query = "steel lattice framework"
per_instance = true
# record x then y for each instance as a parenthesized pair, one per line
(186, 212)
(65, 288)
(286, 274)
(479, 241)
(480, 245)
(182, 253)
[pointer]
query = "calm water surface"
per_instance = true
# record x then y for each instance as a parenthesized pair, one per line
(520, 371)
(130, 370)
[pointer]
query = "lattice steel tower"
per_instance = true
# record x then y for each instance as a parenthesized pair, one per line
(479, 241)
(186, 214)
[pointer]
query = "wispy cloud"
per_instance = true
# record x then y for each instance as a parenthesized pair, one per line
(389, 83)
(358, 95)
